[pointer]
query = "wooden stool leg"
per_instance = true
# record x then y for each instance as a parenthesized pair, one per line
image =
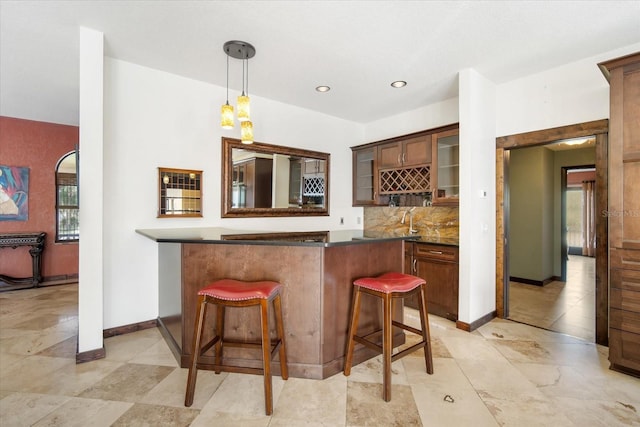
(387, 347)
(220, 334)
(284, 372)
(266, 355)
(426, 334)
(195, 351)
(353, 329)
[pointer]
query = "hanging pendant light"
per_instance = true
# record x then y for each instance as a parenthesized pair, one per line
(244, 108)
(246, 132)
(226, 120)
(243, 51)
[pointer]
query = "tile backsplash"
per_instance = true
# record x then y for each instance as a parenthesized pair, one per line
(429, 221)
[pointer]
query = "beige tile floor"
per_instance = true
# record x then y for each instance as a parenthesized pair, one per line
(566, 307)
(505, 373)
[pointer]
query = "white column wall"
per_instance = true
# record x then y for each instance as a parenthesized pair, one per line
(477, 288)
(90, 267)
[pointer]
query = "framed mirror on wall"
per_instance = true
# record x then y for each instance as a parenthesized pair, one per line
(179, 193)
(262, 180)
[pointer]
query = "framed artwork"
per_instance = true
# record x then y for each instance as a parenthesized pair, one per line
(14, 193)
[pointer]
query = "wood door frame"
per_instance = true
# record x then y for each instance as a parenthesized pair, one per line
(599, 129)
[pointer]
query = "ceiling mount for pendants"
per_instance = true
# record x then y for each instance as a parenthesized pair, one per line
(239, 49)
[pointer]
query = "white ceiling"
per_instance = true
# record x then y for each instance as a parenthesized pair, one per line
(356, 47)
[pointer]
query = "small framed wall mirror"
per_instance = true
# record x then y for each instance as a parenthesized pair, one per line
(264, 180)
(179, 193)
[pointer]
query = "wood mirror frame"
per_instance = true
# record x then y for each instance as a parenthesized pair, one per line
(245, 191)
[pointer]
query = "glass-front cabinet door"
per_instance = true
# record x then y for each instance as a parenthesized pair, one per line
(446, 181)
(365, 190)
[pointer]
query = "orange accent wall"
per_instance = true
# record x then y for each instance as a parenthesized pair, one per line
(38, 146)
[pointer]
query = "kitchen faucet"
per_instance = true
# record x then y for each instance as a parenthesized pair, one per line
(404, 215)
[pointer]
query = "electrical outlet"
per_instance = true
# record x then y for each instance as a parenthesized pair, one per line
(358, 220)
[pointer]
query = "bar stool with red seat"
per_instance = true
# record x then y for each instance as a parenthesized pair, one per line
(389, 286)
(235, 293)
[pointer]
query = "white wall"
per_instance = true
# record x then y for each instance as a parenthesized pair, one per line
(476, 295)
(573, 93)
(155, 119)
(428, 117)
(90, 268)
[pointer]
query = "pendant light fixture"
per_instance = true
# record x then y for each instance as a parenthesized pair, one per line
(243, 51)
(244, 109)
(227, 110)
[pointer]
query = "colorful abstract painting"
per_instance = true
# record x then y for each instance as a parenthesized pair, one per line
(14, 193)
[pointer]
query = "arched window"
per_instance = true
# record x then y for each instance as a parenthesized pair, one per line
(67, 206)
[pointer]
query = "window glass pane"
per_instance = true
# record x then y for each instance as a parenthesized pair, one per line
(68, 225)
(67, 208)
(574, 218)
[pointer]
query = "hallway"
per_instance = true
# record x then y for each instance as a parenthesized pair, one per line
(567, 308)
(503, 374)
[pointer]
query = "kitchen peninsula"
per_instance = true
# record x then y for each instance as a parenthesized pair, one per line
(316, 269)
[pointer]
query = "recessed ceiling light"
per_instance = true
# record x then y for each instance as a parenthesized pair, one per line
(323, 89)
(399, 83)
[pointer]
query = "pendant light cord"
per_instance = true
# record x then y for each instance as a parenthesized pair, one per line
(243, 78)
(227, 78)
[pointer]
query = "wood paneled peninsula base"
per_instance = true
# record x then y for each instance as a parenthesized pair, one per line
(316, 269)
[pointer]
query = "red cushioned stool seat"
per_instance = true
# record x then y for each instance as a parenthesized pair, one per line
(236, 293)
(388, 287)
(390, 282)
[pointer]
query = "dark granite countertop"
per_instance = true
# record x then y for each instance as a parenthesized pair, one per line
(254, 237)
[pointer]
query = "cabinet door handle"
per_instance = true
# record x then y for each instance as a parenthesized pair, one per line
(436, 252)
(399, 162)
(403, 154)
(415, 264)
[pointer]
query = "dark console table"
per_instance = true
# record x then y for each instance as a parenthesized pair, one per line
(36, 242)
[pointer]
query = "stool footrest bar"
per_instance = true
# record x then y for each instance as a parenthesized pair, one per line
(407, 327)
(408, 350)
(368, 343)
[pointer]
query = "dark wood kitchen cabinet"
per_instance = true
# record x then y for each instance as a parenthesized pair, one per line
(405, 152)
(438, 266)
(624, 213)
(408, 165)
(445, 175)
(365, 178)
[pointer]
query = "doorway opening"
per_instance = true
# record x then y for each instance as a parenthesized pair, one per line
(548, 139)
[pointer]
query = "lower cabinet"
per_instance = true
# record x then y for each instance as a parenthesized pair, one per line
(624, 310)
(438, 266)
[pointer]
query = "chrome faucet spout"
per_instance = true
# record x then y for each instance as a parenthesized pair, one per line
(404, 215)
(411, 229)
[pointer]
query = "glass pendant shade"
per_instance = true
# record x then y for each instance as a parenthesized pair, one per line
(243, 108)
(246, 134)
(226, 120)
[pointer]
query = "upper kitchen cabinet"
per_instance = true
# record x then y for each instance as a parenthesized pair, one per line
(365, 182)
(405, 152)
(406, 169)
(445, 180)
